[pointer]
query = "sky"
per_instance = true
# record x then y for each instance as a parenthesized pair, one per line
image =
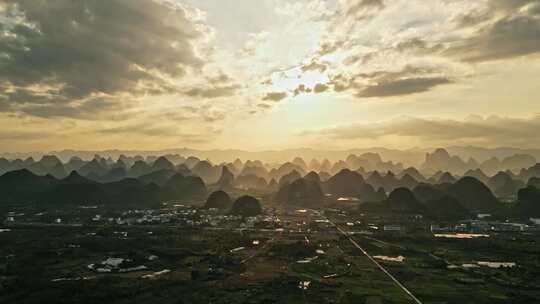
(268, 74)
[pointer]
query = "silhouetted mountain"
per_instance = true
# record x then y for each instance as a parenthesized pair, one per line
(226, 180)
(22, 186)
(426, 192)
(74, 178)
(273, 185)
(25, 187)
(407, 181)
(534, 181)
(447, 209)
(375, 179)
(401, 201)
(390, 182)
(314, 177)
(191, 162)
(74, 164)
(474, 195)
(414, 173)
(58, 171)
(139, 168)
(37, 168)
(530, 172)
(183, 169)
(325, 176)
(315, 165)
(186, 186)
(5, 165)
(219, 200)
(491, 166)
(517, 162)
(246, 206)
(238, 164)
(285, 169)
(162, 163)
(95, 166)
(247, 182)
(478, 174)
(300, 163)
(503, 185)
(114, 175)
(255, 170)
(49, 161)
(366, 193)
(75, 194)
(159, 177)
(254, 163)
(301, 192)
(326, 166)
(440, 160)
(446, 178)
(338, 166)
(346, 183)
(528, 205)
(209, 173)
(289, 178)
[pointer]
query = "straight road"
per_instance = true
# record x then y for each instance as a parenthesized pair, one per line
(355, 244)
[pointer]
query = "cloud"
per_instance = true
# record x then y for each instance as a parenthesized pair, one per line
(65, 52)
(213, 92)
(409, 80)
(301, 89)
(399, 87)
(320, 88)
(314, 66)
(275, 96)
(509, 37)
(492, 130)
(89, 109)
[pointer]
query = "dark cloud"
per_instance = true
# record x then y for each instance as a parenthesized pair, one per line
(90, 109)
(275, 96)
(508, 37)
(491, 130)
(359, 5)
(320, 88)
(399, 87)
(418, 45)
(213, 92)
(507, 29)
(362, 9)
(409, 80)
(314, 66)
(301, 89)
(88, 47)
(264, 106)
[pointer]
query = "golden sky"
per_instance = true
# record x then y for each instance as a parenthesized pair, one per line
(268, 74)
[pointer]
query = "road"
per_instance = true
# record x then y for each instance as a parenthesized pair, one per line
(355, 244)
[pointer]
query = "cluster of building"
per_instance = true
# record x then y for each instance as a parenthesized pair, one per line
(483, 226)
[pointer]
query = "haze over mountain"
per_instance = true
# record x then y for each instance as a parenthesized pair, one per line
(269, 151)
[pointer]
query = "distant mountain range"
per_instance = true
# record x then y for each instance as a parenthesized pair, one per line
(503, 176)
(136, 181)
(411, 157)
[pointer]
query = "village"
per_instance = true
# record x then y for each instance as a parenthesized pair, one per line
(314, 252)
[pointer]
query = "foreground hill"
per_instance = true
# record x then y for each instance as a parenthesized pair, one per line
(23, 186)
